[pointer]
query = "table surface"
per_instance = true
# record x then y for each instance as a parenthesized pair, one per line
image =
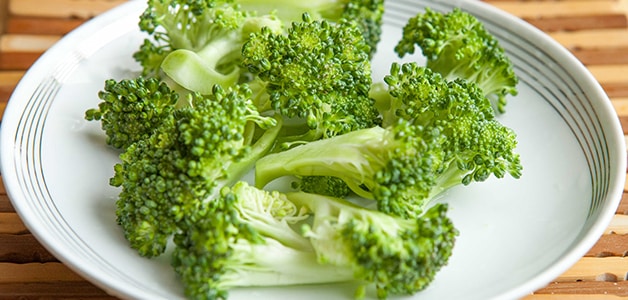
(595, 31)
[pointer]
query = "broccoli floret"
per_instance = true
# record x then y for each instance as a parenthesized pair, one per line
(251, 237)
(132, 108)
(323, 185)
(197, 43)
(245, 237)
(457, 45)
(367, 14)
(186, 160)
(400, 256)
(397, 166)
(478, 144)
(317, 74)
(443, 134)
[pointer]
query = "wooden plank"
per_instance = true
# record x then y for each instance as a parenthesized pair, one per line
(23, 248)
(4, 4)
(610, 245)
(612, 78)
(78, 290)
(41, 25)
(550, 296)
(624, 123)
(588, 290)
(601, 55)
(37, 272)
(623, 205)
(5, 204)
(572, 23)
(8, 81)
(27, 43)
(82, 9)
(618, 225)
(17, 60)
(545, 9)
(10, 223)
(591, 269)
(593, 39)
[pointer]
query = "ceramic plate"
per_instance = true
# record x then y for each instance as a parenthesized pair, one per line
(515, 235)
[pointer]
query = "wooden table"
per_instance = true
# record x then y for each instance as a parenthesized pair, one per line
(596, 31)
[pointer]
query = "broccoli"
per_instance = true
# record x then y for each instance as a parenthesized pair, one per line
(317, 75)
(132, 108)
(323, 185)
(245, 237)
(219, 248)
(477, 142)
(400, 256)
(277, 88)
(397, 166)
(197, 44)
(456, 44)
(443, 134)
(187, 159)
(367, 14)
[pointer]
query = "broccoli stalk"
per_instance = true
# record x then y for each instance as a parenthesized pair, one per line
(457, 45)
(187, 159)
(245, 237)
(400, 256)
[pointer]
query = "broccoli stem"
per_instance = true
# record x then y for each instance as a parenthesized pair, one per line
(261, 147)
(286, 266)
(198, 71)
(346, 157)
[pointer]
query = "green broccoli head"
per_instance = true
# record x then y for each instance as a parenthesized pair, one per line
(457, 45)
(366, 14)
(184, 161)
(244, 238)
(369, 17)
(477, 144)
(318, 72)
(399, 256)
(132, 108)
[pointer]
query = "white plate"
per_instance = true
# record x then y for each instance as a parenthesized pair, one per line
(515, 235)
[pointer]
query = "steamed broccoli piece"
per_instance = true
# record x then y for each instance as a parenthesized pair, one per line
(186, 160)
(457, 45)
(440, 134)
(477, 144)
(132, 108)
(245, 237)
(367, 14)
(197, 43)
(398, 166)
(400, 256)
(317, 75)
(250, 237)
